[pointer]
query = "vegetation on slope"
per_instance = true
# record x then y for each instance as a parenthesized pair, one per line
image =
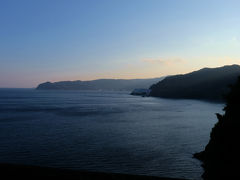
(207, 83)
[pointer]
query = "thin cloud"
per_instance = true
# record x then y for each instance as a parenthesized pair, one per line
(164, 61)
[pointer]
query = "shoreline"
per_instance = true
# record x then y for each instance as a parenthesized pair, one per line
(28, 171)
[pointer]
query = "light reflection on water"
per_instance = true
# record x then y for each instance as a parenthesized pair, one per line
(104, 131)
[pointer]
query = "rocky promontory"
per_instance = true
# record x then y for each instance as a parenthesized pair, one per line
(221, 157)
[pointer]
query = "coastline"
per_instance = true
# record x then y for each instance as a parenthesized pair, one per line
(27, 171)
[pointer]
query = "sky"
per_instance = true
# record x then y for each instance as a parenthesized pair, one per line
(54, 40)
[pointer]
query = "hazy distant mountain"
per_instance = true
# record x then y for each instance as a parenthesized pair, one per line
(100, 84)
(207, 83)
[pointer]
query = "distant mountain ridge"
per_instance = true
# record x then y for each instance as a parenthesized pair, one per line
(206, 83)
(100, 84)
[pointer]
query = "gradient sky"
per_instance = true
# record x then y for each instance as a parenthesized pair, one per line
(53, 40)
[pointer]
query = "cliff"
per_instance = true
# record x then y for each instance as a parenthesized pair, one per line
(221, 156)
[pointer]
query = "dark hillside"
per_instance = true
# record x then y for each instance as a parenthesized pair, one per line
(207, 83)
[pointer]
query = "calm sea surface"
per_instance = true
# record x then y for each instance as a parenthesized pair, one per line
(104, 131)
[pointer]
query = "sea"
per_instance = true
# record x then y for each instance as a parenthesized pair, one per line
(105, 131)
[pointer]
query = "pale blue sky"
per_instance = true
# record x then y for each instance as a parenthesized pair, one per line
(53, 40)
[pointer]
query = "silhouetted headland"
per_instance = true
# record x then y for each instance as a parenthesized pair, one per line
(100, 84)
(34, 172)
(205, 84)
(221, 157)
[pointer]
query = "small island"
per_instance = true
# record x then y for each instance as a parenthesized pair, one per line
(141, 92)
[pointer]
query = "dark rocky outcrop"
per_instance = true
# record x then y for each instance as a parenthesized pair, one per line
(221, 157)
(100, 84)
(141, 92)
(206, 84)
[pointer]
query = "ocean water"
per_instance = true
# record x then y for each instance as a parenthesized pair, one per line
(104, 131)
